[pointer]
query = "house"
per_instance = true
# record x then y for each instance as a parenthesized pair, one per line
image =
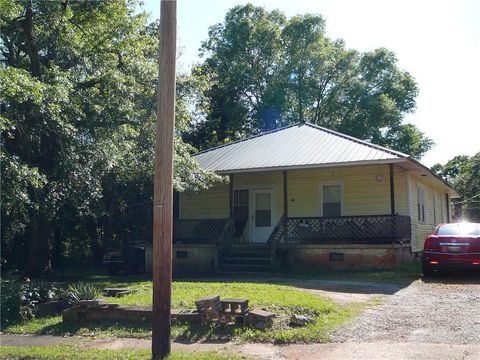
(304, 196)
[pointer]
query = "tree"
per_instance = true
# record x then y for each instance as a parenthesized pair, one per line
(267, 71)
(78, 111)
(463, 172)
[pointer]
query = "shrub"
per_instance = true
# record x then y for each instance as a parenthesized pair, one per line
(12, 309)
(20, 297)
(38, 291)
(82, 291)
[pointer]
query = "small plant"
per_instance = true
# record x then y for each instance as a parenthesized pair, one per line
(82, 291)
(38, 291)
(11, 300)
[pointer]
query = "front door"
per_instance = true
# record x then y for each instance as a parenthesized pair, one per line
(261, 215)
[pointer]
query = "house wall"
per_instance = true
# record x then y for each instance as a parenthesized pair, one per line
(318, 257)
(208, 204)
(366, 190)
(433, 215)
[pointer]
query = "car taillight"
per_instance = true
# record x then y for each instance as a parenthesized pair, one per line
(431, 244)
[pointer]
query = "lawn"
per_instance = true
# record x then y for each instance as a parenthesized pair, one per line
(404, 273)
(281, 299)
(65, 352)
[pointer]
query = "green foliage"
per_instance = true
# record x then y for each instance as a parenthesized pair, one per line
(266, 71)
(279, 297)
(78, 84)
(11, 300)
(19, 298)
(463, 173)
(83, 291)
(39, 291)
(66, 352)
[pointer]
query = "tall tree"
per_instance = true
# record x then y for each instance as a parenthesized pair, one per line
(268, 71)
(463, 172)
(77, 116)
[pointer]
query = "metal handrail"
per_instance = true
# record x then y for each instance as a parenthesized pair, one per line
(275, 238)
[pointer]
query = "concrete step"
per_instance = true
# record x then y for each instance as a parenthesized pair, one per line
(248, 255)
(243, 268)
(247, 261)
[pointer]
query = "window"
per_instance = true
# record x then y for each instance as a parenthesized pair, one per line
(240, 205)
(263, 210)
(461, 229)
(331, 200)
(421, 204)
(434, 209)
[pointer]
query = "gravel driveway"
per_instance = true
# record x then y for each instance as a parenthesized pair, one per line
(444, 310)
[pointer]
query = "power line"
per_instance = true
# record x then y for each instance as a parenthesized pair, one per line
(470, 198)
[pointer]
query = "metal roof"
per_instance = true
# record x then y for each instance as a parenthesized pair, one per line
(296, 146)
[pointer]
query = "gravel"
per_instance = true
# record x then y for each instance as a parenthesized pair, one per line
(443, 311)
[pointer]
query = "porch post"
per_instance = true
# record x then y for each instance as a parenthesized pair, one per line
(285, 194)
(230, 195)
(392, 190)
(448, 208)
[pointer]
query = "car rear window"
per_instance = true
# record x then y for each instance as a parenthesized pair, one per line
(459, 229)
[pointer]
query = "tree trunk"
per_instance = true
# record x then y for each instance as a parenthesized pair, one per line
(39, 250)
(32, 49)
(108, 221)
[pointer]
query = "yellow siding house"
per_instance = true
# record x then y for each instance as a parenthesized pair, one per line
(307, 197)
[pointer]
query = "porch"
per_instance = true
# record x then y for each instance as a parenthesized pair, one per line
(224, 248)
(258, 217)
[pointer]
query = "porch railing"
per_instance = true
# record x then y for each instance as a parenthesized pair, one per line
(275, 238)
(201, 231)
(370, 229)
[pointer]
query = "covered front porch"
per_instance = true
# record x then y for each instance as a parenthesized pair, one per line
(267, 216)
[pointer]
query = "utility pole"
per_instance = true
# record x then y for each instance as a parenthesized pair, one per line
(163, 189)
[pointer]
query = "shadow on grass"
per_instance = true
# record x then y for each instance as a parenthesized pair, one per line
(106, 327)
(217, 333)
(383, 282)
(181, 332)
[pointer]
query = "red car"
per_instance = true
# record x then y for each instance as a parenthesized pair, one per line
(452, 246)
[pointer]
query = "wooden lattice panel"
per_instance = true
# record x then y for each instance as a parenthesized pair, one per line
(207, 230)
(361, 229)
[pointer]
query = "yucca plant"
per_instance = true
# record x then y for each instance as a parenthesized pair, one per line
(82, 291)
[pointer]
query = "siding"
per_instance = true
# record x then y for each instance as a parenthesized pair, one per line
(362, 193)
(420, 230)
(209, 204)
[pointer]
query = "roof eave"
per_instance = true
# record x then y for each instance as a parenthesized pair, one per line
(310, 166)
(453, 193)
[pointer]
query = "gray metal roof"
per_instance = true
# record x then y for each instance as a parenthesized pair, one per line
(296, 146)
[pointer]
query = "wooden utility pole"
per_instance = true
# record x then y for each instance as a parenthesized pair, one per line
(163, 189)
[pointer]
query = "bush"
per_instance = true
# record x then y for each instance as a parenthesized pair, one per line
(38, 291)
(20, 297)
(12, 310)
(83, 291)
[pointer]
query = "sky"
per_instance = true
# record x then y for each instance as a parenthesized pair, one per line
(437, 41)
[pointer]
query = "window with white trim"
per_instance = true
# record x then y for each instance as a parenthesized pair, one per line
(420, 204)
(331, 200)
(240, 204)
(434, 210)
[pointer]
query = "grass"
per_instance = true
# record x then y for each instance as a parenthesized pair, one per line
(65, 352)
(404, 273)
(281, 299)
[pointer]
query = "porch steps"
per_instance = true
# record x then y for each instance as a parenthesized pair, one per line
(246, 259)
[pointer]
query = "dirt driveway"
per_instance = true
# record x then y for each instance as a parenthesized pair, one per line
(434, 319)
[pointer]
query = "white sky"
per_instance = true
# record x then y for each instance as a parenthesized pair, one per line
(437, 41)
